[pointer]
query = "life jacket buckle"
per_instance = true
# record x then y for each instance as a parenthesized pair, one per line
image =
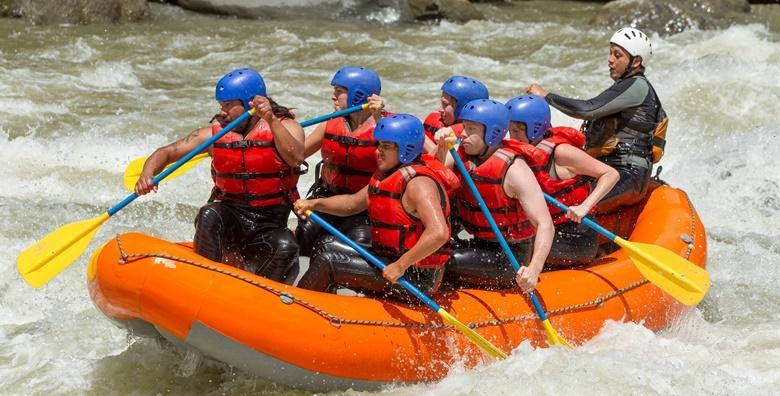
(349, 140)
(241, 144)
(623, 148)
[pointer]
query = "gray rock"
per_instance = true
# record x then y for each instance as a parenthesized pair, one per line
(254, 8)
(75, 11)
(454, 10)
(672, 16)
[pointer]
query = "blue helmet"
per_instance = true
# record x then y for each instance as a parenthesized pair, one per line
(493, 115)
(534, 112)
(406, 131)
(464, 90)
(360, 83)
(240, 84)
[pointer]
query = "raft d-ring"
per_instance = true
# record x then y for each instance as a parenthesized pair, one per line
(286, 298)
(335, 322)
(686, 238)
(599, 302)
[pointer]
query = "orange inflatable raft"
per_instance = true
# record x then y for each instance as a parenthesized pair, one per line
(321, 341)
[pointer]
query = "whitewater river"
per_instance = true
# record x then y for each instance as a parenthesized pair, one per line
(77, 103)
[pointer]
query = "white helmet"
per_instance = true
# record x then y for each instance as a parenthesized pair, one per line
(633, 41)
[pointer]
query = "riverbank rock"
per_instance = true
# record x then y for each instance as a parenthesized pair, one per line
(672, 16)
(454, 10)
(75, 11)
(259, 9)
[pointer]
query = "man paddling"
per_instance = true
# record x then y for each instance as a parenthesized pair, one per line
(255, 169)
(408, 207)
(500, 171)
(348, 151)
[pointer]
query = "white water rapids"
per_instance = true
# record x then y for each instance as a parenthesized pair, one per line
(77, 103)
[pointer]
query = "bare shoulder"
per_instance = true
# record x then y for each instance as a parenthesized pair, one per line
(518, 169)
(423, 183)
(291, 123)
(422, 188)
(567, 152)
(519, 179)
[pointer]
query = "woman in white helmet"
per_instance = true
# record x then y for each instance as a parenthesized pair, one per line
(620, 123)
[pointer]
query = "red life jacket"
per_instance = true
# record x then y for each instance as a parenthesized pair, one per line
(249, 170)
(571, 191)
(433, 123)
(393, 230)
(489, 176)
(348, 158)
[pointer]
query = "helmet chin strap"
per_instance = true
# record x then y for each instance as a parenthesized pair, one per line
(479, 158)
(630, 68)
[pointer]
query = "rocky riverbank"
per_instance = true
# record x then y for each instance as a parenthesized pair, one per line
(662, 16)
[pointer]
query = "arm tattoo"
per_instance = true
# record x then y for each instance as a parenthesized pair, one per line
(192, 135)
(186, 139)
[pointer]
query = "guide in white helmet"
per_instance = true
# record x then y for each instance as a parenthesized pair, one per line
(625, 125)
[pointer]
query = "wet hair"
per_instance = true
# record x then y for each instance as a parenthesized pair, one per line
(281, 111)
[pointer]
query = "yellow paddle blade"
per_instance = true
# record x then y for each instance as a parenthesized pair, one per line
(481, 342)
(552, 336)
(133, 171)
(682, 279)
(45, 259)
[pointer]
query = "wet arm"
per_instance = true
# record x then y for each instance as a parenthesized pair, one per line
(313, 142)
(288, 137)
(521, 184)
(342, 205)
(166, 155)
(422, 198)
(580, 163)
(171, 153)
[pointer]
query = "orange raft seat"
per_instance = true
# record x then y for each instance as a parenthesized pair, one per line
(321, 342)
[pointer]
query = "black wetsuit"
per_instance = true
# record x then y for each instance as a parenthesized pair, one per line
(482, 264)
(573, 244)
(628, 110)
(226, 232)
(334, 264)
(309, 234)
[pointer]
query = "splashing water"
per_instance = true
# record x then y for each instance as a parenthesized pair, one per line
(79, 102)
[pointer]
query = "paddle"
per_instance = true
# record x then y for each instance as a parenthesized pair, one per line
(552, 336)
(42, 261)
(136, 166)
(680, 278)
(133, 170)
(481, 342)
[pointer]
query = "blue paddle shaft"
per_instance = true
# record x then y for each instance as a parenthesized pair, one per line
(317, 120)
(373, 260)
(229, 127)
(590, 223)
(181, 161)
(485, 210)
(493, 226)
